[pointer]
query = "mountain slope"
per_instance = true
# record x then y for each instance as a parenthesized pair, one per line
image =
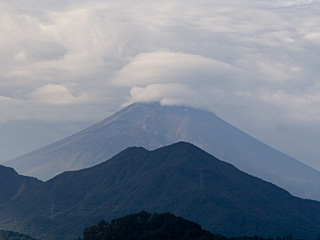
(153, 126)
(8, 235)
(180, 178)
(12, 184)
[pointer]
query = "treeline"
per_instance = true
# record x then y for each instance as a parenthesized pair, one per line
(146, 226)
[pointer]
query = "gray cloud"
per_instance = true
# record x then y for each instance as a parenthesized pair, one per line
(173, 67)
(254, 63)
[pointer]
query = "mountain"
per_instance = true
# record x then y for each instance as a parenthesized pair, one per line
(8, 235)
(152, 126)
(13, 184)
(180, 178)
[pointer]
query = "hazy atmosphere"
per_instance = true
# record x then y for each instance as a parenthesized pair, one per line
(68, 64)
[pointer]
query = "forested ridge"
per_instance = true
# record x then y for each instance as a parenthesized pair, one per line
(147, 226)
(181, 179)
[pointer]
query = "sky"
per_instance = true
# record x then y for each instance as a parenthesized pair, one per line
(65, 65)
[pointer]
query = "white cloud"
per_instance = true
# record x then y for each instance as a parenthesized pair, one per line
(313, 37)
(290, 3)
(71, 60)
(167, 94)
(173, 67)
(56, 95)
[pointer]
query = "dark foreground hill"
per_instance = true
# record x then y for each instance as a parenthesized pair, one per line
(152, 126)
(179, 178)
(146, 226)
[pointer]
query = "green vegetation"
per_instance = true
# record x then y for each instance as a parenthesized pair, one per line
(9, 235)
(143, 226)
(146, 226)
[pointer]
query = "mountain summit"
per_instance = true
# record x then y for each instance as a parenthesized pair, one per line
(180, 178)
(151, 126)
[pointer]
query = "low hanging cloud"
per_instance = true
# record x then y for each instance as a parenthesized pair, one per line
(175, 78)
(81, 60)
(167, 94)
(104, 50)
(56, 95)
(173, 67)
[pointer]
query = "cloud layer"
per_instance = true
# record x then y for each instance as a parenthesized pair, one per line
(255, 63)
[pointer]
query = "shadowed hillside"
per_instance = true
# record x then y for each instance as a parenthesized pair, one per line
(152, 126)
(146, 226)
(179, 178)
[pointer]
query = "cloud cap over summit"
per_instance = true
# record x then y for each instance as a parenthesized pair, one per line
(252, 62)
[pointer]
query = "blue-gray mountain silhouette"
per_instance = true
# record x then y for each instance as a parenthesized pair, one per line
(152, 126)
(179, 178)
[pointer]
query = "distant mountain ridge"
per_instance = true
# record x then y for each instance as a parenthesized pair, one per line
(151, 125)
(180, 178)
(13, 184)
(8, 235)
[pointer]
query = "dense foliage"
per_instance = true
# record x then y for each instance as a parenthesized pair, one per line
(143, 226)
(146, 226)
(9, 235)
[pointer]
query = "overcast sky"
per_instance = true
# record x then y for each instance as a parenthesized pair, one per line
(67, 64)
